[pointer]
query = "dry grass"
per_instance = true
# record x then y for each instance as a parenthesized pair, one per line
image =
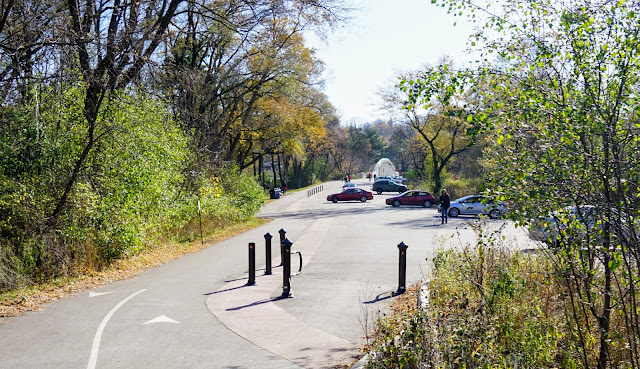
(407, 303)
(18, 302)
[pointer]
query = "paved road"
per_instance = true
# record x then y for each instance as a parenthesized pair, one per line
(196, 312)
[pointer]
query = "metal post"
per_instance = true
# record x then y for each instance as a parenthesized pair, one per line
(402, 280)
(252, 264)
(286, 269)
(282, 233)
(267, 241)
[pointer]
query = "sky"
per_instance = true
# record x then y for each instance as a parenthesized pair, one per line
(386, 37)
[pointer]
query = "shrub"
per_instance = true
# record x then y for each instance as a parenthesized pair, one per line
(489, 307)
(130, 194)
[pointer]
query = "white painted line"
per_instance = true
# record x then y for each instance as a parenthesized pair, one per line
(94, 294)
(161, 319)
(96, 340)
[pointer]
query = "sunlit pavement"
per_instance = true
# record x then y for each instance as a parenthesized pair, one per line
(197, 312)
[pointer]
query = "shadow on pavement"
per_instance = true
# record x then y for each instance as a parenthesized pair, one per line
(260, 302)
(227, 290)
(381, 297)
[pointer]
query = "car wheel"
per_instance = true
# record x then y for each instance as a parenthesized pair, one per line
(494, 214)
(334, 199)
(396, 203)
(363, 198)
(454, 212)
(427, 204)
(379, 192)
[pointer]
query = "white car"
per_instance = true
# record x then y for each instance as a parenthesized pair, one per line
(476, 205)
(349, 185)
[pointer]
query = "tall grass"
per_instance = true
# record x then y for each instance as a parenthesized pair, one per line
(489, 307)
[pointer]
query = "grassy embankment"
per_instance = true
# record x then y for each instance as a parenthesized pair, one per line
(17, 302)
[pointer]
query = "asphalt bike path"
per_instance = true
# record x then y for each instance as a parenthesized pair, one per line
(156, 320)
(197, 312)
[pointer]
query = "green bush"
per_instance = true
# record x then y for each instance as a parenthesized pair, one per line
(130, 195)
(489, 307)
(460, 187)
(456, 187)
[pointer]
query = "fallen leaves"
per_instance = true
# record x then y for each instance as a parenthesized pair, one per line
(31, 298)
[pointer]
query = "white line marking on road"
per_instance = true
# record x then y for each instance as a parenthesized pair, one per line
(96, 340)
(94, 294)
(161, 319)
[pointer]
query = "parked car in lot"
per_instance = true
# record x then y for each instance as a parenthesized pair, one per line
(476, 205)
(351, 194)
(578, 221)
(552, 228)
(399, 179)
(420, 198)
(393, 178)
(387, 185)
(348, 185)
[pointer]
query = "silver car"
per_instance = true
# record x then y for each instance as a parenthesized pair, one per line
(476, 205)
(578, 221)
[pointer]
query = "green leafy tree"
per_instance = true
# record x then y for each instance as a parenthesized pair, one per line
(376, 141)
(229, 67)
(443, 108)
(358, 150)
(564, 117)
(128, 192)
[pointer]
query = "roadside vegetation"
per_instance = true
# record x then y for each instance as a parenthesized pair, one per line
(487, 306)
(32, 296)
(553, 103)
(118, 140)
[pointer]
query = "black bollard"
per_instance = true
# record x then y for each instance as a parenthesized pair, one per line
(267, 241)
(252, 264)
(286, 269)
(282, 237)
(402, 280)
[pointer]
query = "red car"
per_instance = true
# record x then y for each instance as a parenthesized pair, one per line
(422, 198)
(351, 194)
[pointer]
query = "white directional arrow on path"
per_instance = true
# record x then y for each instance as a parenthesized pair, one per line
(161, 319)
(94, 294)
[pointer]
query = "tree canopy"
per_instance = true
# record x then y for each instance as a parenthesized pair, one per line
(561, 108)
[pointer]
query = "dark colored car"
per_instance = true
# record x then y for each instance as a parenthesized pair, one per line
(420, 198)
(351, 194)
(387, 185)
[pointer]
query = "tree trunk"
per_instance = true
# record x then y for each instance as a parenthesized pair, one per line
(437, 171)
(273, 170)
(282, 181)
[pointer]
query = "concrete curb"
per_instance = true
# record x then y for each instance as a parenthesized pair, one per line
(362, 363)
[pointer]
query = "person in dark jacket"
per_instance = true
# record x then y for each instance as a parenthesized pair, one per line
(445, 203)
